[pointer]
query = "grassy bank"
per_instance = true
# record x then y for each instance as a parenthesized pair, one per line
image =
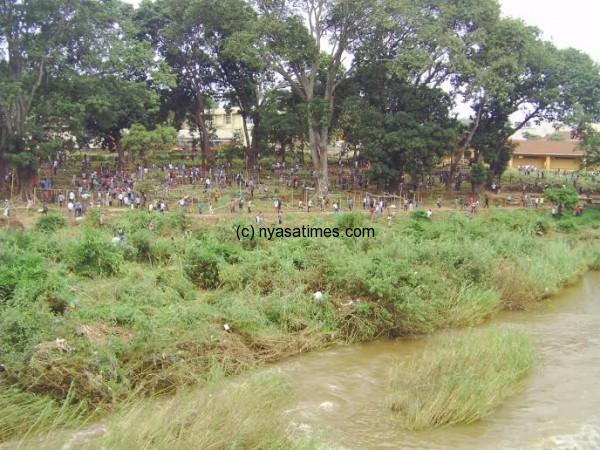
(186, 303)
(461, 381)
(249, 414)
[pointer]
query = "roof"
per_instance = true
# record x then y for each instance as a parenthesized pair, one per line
(548, 148)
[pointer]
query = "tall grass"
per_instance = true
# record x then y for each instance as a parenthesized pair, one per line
(462, 381)
(247, 415)
(23, 414)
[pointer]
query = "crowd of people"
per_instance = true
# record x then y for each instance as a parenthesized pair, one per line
(103, 186)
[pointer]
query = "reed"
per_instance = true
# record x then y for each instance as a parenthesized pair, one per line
(248, 414)
(462, 380)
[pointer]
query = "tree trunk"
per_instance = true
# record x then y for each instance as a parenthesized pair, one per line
(26, 177)
(205, 148)
(318, 137)
(121, 152)
(114, 135)
(491, 175)
(206, 145)
(3, 172)
(248, 145)
(466, 145)
(477, 188)
(301, 153)
(253, 149)
(452, 173)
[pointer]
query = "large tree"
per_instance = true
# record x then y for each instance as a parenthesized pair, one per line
(192, 37)
(306, 41)
(33, 37)
(401, 128)
(283, 122)
(67, 68)
(244, 77)
(516, 72)
(431, 44)
(142, 144)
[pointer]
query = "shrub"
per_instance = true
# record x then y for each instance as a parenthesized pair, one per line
(23, 327)
(92, 254)
(202, 267)
(394, 281)
(140, 240)
(419, 215)
(21, 275)
(562, 197)
(50, 223)
(161, 250)
(566, 227)
(350, 220)
(93, 218)
(125, 315)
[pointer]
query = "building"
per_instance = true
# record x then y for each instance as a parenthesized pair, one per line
(226, 126)
(548, 154)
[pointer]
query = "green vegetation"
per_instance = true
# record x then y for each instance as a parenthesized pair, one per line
(25, 414)
(50, 223)
(462, 381)
(122, 69)
(557, 136)
(562, 197)
(248, 415)
(86, 323)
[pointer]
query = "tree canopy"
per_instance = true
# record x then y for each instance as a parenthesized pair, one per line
(384, 75)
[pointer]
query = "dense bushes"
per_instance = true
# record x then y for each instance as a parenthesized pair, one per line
(92, 254)
(149, 315)
(350, 220)
(50, 223)
(22, 274)
(202, 267)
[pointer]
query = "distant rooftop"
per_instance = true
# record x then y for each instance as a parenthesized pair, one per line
(542, 147)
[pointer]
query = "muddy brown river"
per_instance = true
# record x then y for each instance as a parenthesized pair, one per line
(342, 395)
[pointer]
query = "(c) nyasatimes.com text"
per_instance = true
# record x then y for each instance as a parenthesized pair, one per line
(305, 231)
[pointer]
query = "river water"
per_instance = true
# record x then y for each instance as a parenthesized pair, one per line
(342, 393)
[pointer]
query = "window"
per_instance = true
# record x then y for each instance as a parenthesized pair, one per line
(227, 119)
(249, 120)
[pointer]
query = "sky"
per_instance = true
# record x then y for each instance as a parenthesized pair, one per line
(572, 23)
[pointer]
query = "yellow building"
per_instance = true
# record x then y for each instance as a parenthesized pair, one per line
(548, 155)
(226, 125)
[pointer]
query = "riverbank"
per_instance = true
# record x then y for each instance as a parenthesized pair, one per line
(87, 325)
